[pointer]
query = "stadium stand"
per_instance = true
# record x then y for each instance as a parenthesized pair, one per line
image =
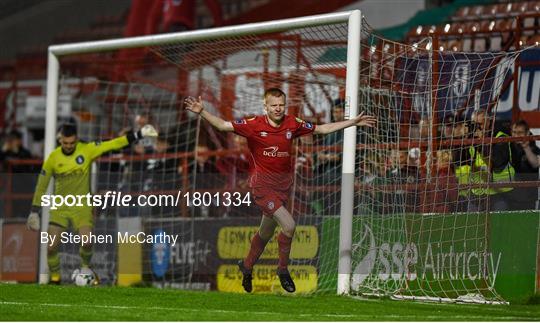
(480, 27)
(489, 27)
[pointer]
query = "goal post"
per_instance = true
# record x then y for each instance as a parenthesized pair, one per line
(352, 18)
(53, 70)
(349, 153)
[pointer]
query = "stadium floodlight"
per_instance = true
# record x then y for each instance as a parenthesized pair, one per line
(367, 201)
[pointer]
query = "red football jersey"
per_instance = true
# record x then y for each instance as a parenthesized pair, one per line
(271, 149)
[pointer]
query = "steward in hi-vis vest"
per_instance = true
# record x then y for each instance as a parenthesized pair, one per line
(488, 163)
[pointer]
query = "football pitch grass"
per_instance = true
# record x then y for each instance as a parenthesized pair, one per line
(23, 302)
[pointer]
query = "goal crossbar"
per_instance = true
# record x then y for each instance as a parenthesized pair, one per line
(197, 35)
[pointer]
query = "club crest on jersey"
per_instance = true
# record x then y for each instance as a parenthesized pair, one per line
(240, 121)
(263, 133)
(288, 134)
(308, 125)
(270, 205)
(79, 160)
(43, 172)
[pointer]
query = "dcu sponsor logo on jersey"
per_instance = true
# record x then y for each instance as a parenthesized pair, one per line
(270, 151)
(79, 160)
(273, 152)
(240, 121)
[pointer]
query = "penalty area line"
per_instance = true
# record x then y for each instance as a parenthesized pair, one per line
(180, 309)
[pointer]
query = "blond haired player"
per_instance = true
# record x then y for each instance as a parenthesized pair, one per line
(270, 141)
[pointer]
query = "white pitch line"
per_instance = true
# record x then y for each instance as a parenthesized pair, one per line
(361, 316)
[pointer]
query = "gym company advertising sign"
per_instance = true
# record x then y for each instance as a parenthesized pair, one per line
(207, 251)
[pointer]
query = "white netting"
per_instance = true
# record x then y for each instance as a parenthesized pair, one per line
(130, 87)
(406, 190)
(424, 188)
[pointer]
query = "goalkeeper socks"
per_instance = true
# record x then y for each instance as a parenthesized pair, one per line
(255, 251)
(284, 245)
(86, 255)
(53, 260)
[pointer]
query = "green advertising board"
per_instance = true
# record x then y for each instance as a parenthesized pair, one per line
(440, 256)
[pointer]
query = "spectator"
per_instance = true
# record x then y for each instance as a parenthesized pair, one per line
(462, 163)
(206, 178)
(491, 162)
(13, 149)
(236, 165)
(136, 179)
(328, 164)
(525, 160)
(454, 127)
(373, 197)
(441, 194)
(140, 166)
(402, 171)
(206, 167)
(23, 177)
(166, 164)
(164, 172)
(448, 126)
(141, 120)
(235, 168)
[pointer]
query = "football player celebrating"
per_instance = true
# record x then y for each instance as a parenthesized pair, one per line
(269, 138)
(70, 165)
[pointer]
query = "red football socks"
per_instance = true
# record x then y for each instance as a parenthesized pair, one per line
(257, 248)
(284, 245)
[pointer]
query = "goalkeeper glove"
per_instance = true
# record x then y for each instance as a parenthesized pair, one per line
(32, 222)
(148, 131)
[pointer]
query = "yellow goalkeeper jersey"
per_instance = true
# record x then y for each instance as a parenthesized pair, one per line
(72, 172)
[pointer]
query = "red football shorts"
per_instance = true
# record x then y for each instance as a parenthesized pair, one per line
(270, 200)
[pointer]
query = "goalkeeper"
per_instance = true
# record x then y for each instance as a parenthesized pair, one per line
(269, 139)
(70, 165)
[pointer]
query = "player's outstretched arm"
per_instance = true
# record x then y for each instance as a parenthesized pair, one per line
(196, 106)
(99, 148)
(359, 121)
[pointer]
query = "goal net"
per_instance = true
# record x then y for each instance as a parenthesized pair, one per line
(122, 87)
(408, 238)
(423, 195)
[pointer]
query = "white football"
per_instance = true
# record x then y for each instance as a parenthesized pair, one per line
(83, 277)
